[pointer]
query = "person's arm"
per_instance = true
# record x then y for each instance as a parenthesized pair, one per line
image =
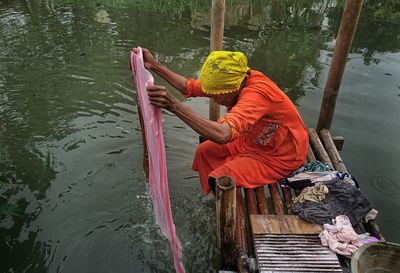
(217, 132)
(176, 80)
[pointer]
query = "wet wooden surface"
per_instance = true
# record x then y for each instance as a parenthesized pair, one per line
(282, 224)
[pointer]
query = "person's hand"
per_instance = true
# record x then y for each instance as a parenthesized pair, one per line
(149, 61)
(159, 96)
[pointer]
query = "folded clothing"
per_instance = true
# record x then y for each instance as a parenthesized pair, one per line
(315, 194)
(342, 199)
(315, 172)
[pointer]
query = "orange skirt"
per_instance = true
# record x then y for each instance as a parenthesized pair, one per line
(214, 160)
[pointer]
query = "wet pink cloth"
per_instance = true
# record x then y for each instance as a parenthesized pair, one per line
(158, 178)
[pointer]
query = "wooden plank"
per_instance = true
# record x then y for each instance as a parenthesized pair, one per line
(282, 224)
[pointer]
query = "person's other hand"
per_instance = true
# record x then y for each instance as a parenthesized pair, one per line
(148, 58)
(159, 96)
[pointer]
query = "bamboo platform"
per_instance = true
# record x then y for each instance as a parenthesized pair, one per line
(251, 205)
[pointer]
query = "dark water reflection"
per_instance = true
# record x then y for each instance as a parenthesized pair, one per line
(73, 196)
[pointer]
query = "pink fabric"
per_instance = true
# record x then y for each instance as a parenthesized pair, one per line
(340, 237)
(158, 179)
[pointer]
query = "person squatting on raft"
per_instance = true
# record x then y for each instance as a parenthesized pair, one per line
(260, 140)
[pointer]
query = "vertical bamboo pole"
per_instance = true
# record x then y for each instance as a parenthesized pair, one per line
(216, 43)
(348, 25)
(226, 220)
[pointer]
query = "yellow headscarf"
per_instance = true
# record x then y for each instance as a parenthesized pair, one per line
(223, 72)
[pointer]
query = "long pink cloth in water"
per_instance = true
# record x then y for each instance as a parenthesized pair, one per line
(158, 178)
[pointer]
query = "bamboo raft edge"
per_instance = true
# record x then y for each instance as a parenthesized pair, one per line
(254, 202)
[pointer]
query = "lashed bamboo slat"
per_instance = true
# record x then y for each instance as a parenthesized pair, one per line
(318, 148)
(287, 197)
(310, 154)
(276, 198)
(251, 201)
(332, 151)
(262, 202)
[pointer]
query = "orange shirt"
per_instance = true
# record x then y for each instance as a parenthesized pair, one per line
(265, 125)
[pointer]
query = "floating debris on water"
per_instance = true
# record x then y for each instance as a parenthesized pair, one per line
(102, 16)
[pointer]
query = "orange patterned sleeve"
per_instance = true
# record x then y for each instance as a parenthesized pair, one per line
(193, 89)
(234, 131)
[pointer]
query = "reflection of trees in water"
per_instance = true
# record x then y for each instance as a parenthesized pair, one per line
(25, 175)
(29, 114)
(284, 41)
(378, 29)
(20, 251)
(286, 19)
(290, 34)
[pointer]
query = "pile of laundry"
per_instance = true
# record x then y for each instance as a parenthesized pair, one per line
(332, 199)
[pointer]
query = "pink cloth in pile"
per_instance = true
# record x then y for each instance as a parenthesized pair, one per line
(158, 179)
(340, 237)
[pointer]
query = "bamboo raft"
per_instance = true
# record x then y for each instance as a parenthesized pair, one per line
(240, 212)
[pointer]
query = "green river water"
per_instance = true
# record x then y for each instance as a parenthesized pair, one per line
(73, 196)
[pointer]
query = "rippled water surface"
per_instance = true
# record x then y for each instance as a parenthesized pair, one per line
(73, 194)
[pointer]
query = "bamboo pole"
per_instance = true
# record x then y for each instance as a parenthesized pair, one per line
(319, 149)
(310, 155)
(262, 202)
(276, 198)
(216, 43)
(348, 25)
(332, 151)
(251, 201)
(242, 258)
(226, 220)
(287, 197)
